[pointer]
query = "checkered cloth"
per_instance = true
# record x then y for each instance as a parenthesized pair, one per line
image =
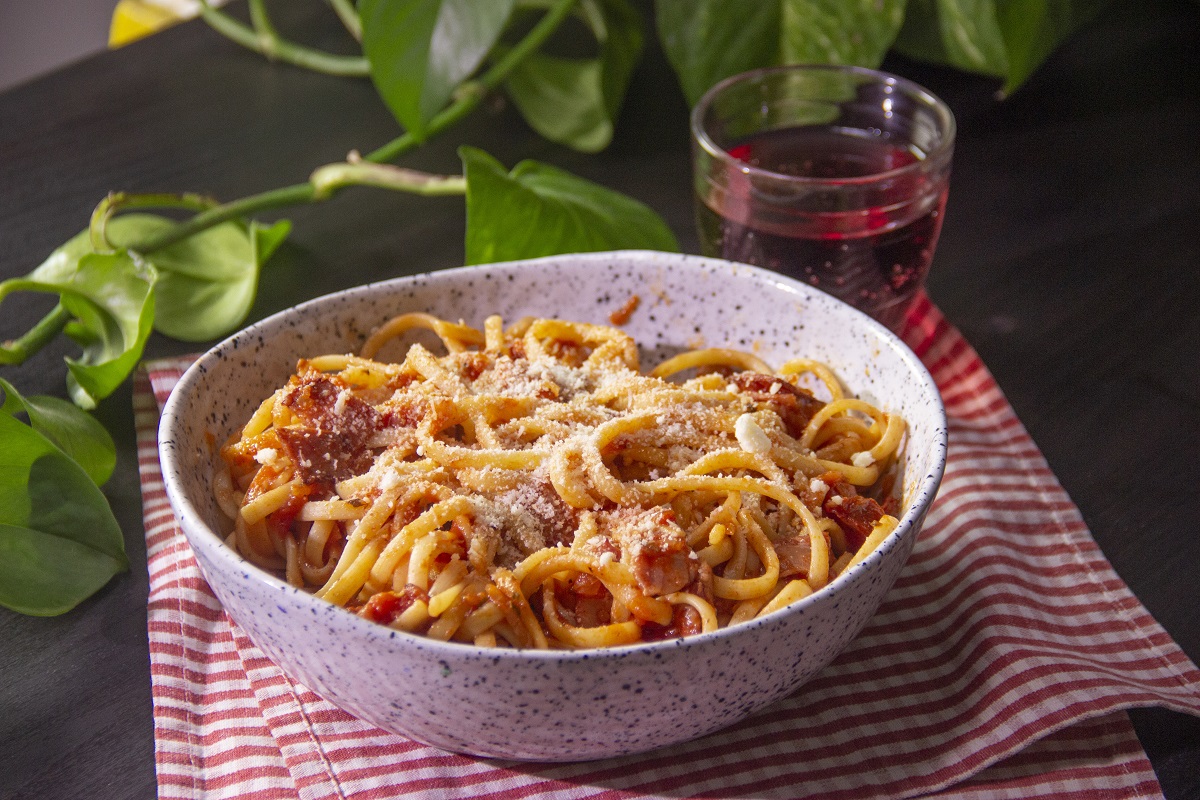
(998, 666)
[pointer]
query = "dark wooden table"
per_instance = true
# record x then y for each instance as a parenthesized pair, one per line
(1069, 259)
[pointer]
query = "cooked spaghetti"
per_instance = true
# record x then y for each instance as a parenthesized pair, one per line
(533, 488)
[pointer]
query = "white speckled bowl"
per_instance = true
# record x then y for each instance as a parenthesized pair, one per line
(554, 706)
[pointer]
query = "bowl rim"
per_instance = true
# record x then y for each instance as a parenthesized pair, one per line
(212, 543)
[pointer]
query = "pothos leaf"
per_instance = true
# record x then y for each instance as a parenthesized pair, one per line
(73, 431)
(709, 40)
(560, 98)
(1009, 40)
(110, 297)
(964, 34)
(539, 210)
(815, 31)
(114, 315)
(419, 51)
(267, 239)
(206, 282)
(197, 289)
(59, 541)
(1033, 29)
(575, 101)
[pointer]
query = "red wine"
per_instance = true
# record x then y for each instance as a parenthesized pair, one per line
(862, 237)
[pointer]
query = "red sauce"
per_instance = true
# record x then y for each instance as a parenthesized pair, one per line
(386, 607)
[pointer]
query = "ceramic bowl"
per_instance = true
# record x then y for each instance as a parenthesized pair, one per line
(554, 706)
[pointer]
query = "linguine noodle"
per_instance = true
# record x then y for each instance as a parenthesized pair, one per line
(533, 488)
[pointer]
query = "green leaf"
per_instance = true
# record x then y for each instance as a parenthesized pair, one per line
(857, 32)
(73, 431)
(560, 98)
(1033, 29)
(114, 313)
(45, 576)
(539, 210)
(1007, 39)
(201, 288)
(59, 541)
(268, 239)
(964, 34)
(421, 50)
(620, 50)
(709, 40)
(110, 296)
(206, 282)
(919, 36)
(575, 101)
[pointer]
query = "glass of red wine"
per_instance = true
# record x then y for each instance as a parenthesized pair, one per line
(836, 176)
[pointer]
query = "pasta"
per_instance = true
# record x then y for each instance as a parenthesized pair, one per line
(531, 488)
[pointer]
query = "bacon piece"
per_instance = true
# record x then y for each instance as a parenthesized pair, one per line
(702, 586)
(855, 515)
(471, 364)
(685, 621)
(406, 413)
(795, 554)
(656, 548)
(586, 599)
(540, 518)
(585, 585)
(330, 443)
(795, 406)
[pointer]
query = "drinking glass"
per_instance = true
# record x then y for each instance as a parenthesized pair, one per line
(836, 176)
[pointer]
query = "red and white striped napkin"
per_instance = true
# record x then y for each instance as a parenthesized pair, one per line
(996, 668)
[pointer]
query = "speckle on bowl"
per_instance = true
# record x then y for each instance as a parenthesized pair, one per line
(554, 706)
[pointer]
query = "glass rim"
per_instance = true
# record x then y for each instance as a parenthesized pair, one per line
(914, 89)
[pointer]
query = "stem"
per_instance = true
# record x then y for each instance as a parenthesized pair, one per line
(118, 200)
(330, 178)
(326, 181)
(16, 351)
(268, 37)
(468, 98)
(472, 92)
(267, 42)
(274, 198)
(349, 17)
(336, 176)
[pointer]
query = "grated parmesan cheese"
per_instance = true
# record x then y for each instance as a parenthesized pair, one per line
(863, 459)
(339, 406)
(267, 455)
(390, 480)
(750, 436)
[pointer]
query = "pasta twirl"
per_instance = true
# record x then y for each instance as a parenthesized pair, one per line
(533, 488)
